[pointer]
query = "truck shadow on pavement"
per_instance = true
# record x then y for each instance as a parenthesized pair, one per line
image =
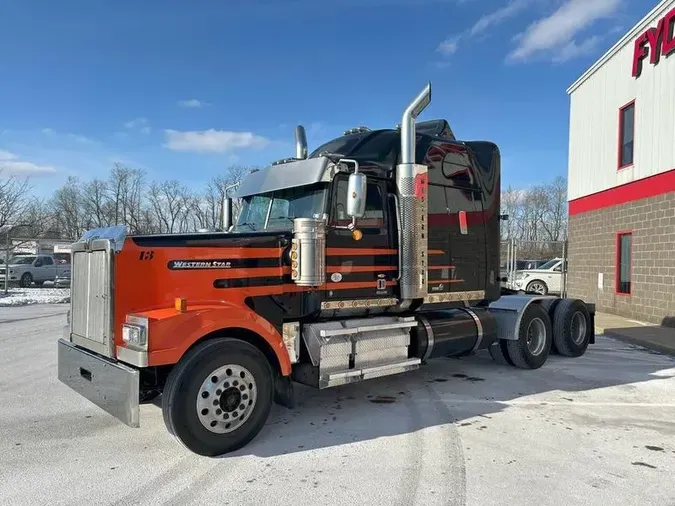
(450, 393)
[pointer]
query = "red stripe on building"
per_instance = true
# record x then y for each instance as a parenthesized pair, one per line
(635, 190)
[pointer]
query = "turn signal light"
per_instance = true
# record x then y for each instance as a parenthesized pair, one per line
(180, 305)
(294, 255)
(357, 235)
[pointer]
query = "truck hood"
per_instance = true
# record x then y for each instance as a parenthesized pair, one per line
(118, 235)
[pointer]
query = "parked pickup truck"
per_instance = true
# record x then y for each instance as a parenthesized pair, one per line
(25, 270)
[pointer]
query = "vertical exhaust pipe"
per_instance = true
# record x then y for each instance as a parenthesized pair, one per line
(300, 143)
(419, 103)
(227, 216)
(411, 185)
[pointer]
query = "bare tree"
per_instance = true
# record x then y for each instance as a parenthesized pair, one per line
(96, 204)
(13, 197)
(67, 209)
(171, 203)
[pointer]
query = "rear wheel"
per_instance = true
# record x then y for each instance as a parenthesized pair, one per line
(218, 397)
(571, 327)
(533, 345)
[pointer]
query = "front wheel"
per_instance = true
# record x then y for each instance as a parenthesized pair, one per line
(218, 397)
(537, 286)
(533, 345)
(26, 280)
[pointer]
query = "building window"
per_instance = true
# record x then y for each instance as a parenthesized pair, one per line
(624, 246)
(626, 134)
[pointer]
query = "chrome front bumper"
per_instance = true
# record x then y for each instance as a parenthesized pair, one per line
(110, 385)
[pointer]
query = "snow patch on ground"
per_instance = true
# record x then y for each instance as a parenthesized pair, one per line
(26, 296)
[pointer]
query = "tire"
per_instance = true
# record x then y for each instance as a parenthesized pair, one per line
(571, 328)
(499, 353)
(550, 305)
(26, 280)
(196, 409)
(537, 283)
(533, 346)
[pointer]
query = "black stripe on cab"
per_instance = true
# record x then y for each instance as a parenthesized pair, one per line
(251, 282)
(374, 260)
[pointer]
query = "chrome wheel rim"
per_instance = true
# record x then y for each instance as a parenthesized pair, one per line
(536, 336)
(226, 399)
(578, 328)
(537, 288)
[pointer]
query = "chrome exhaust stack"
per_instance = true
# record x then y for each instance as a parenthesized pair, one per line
(300, 143)
(411, 184)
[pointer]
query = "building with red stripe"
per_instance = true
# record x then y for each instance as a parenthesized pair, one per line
(622, 174)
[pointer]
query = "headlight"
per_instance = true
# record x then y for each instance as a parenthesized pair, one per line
(134, 335)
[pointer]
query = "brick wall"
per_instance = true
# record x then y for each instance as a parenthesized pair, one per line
(592, 249)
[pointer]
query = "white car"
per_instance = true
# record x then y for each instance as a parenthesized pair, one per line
(543, 280)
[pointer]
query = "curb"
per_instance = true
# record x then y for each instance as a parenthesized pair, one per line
(666, 350)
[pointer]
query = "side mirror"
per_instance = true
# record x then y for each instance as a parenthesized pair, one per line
(38, 263)
(356, 195)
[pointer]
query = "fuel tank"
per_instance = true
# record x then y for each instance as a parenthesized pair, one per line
(452, 332)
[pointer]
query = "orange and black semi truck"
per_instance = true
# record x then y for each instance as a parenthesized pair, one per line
(369, 257)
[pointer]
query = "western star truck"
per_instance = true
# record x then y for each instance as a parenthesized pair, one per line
(369, 257)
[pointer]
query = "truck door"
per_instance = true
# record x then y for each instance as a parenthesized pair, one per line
(48, 269)
(39, 269)
(359, 268)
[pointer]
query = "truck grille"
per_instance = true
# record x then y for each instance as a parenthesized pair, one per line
(91, 297)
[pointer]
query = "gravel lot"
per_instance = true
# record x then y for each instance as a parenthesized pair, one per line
(595, 430)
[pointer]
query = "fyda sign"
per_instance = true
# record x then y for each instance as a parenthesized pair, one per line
(656, 42)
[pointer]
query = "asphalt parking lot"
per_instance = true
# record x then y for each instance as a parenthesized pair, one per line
(595, 430)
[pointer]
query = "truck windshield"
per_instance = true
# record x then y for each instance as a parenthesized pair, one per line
(21, 260)
(282, 206)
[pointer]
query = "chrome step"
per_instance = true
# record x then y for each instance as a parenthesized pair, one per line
(347, 376)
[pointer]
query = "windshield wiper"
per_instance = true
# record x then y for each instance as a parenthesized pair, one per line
(250, 225)
(289, 218)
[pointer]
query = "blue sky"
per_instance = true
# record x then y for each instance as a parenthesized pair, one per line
(184, 89)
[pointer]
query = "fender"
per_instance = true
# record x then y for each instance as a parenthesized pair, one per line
(171, 333)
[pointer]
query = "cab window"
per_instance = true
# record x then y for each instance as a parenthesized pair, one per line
(374, 214)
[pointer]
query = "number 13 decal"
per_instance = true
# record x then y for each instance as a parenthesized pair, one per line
(147, 255)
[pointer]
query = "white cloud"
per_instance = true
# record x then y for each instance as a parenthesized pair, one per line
(193, 103)
(48, 131)
(450, 45)
(213, 141)
(499, 16)
(141, 124)
(12, 165)
(555, 34)
(6, 155)
(81, 139)
(572, 50)
(136, 123)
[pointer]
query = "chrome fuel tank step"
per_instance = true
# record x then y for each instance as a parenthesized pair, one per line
(353, 350)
